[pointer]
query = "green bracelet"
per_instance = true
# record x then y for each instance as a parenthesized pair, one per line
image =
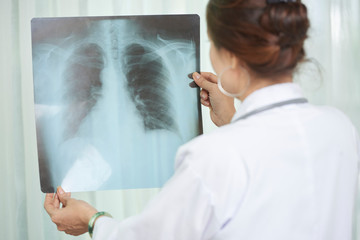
(93, 219)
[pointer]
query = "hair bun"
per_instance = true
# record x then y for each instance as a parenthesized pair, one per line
(268, 37)
(287, 21)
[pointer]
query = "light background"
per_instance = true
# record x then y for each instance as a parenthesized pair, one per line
(334, 42)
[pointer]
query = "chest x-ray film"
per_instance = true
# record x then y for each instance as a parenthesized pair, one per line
(112, 99)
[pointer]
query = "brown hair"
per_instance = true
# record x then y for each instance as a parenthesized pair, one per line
(268, 37)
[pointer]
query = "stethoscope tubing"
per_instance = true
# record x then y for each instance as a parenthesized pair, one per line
(271, 106)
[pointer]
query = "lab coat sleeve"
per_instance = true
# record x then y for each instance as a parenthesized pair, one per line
(182, 210)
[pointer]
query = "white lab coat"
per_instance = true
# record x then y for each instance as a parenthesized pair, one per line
(286, 173)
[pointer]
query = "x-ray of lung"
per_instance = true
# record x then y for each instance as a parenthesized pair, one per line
(112, 99)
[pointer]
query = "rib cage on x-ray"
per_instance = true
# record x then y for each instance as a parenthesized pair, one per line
(147, 80)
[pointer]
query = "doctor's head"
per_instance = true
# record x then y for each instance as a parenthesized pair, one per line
(255, 43)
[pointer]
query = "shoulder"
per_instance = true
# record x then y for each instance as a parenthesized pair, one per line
(334, 112)
(333, 117)
(213, 150)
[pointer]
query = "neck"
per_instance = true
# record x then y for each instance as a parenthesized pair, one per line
(258, 83)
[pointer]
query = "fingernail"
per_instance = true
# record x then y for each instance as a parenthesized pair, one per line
(193, 85)
(202, 95)
(205, 103)
(197, 75)
(190, 75)
(60, 190)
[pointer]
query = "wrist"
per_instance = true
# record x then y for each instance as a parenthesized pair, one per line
(89, 214)
(96, 216)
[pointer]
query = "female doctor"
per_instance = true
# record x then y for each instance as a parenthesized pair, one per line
(277, 168)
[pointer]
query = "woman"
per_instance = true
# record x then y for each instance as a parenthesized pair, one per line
(278, 168)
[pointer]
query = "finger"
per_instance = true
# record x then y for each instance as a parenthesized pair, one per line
(203, 82)
(63, 197)
(210, 77)
(61, 191)
(67, 194)
(56, 201)
(204, 95)
(205, 103)
(49, 204)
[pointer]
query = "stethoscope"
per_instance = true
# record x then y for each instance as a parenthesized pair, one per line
(271, 106)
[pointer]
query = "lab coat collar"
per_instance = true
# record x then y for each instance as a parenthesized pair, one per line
(267, 96)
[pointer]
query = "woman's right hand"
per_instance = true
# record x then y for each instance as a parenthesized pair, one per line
(73, 216)
(221, 107)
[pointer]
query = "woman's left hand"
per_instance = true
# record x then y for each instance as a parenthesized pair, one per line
(73, 216)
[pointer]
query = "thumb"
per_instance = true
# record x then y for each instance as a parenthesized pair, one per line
(204, 81)
(63, 196)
